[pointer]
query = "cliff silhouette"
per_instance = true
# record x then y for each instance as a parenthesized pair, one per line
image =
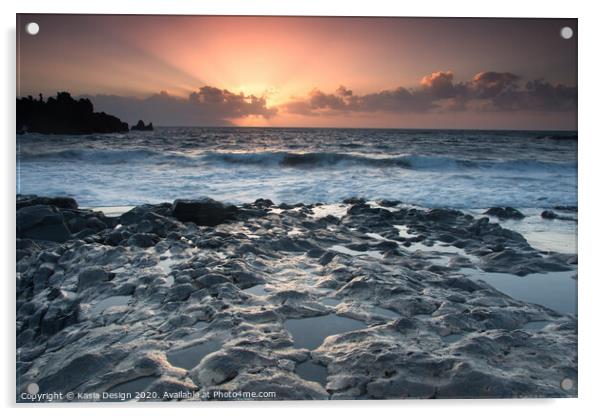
(142, 127)
(64, 115)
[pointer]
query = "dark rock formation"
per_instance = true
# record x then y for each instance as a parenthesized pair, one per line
(147, 298)
(205, 211)
(551, 215)
(59, 202)
(505, 213)
(56, 219)
(143, 127)
(64, 115)
(42, 222)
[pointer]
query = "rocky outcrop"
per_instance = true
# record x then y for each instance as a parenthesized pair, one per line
(140, 126)
(551, 215)
(505, 213)
(64, 115)
(59, 202)
(153, 302)
(204, 211)
(42, 222)
(56, 219)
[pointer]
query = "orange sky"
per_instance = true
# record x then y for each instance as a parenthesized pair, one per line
(282, 59)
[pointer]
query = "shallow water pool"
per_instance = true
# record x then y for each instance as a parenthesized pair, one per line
(312, 372)
(310, 332)
(555, 290)
(189, 357)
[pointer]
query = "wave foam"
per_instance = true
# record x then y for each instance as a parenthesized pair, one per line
(285, 159)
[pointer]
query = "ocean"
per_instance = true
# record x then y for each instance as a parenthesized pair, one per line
(429, 168)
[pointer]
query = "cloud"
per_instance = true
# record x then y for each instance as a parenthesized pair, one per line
(437, 92)
(206, 106)
(486, 85)
(344, 100)
(440, 84)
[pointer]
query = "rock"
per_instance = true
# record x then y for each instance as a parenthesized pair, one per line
(77, 370)
(505, 213)
(64, 311)
(180, 292)
(220, 366)
(171, 386)
(96, 224)
(204, 211)
(115, 237)
(400, 387)
(263, 203)
(142, 127)
(137, 214)
(42, 222)
(91, 277)
(143, 240)
(354, 200)
(421, 330)
(521, 264)
(59, 202)
(461, 283)
(551, 215)
(41, 275)
(64, 115)
(211, 279)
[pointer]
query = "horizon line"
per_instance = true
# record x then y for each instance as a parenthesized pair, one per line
(364, 128)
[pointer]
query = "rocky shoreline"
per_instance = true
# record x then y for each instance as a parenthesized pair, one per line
(199, 296)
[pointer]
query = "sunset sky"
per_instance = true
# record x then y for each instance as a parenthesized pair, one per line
(294, 71)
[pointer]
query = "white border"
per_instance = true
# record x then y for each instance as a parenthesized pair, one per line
(590, 175)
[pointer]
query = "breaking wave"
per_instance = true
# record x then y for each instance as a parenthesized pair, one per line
(293, 160)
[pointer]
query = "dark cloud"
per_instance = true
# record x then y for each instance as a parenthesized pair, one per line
(207, 106)
(542, 94)
(486, 91)
(343, 100)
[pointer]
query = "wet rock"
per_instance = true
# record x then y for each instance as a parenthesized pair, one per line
(283, 384)
(204, 211)
(171, 387)
(41, 275)
(211, 279)
(423, 329)
(180, 292)
(505, 213)
(400, 387)
(63, 311)
(91, 277)
(461, 283)
(59, 202)
(77, 370)
(551, 215)
(521, 264)
(224, 365)
(143, 240)
(263, 203)
(137, 214)
(42, 222)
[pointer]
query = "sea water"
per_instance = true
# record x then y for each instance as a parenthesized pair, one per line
(429, 168)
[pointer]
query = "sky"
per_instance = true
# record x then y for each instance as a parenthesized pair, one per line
(308, 71)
